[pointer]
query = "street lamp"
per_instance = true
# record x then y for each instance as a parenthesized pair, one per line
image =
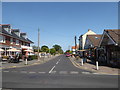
(79, 43)
(75, 44)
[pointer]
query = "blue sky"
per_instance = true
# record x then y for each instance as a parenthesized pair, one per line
(59, 22)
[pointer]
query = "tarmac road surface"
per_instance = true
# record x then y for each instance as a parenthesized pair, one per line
(57, 73)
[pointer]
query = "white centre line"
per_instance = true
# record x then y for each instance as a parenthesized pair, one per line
(57, 62)
(52, 69)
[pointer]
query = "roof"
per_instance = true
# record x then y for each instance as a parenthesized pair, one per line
(114, 34)
(73, 47)
(15, 30)
(12, 34)
(95, 39)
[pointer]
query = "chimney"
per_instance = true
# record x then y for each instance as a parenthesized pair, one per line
(16, 31)
(24, 35)
(6, 27)
(89, 29)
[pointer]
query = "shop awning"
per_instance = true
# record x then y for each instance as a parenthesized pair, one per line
(84, 50)
(1, 50)
(14, 50)
(28, 50)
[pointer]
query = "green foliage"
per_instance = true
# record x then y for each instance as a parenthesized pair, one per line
(31, 57)
(57, 47)
(5, 57)
(68, 51)
(52, 51)
(35, 48)
(45, 49)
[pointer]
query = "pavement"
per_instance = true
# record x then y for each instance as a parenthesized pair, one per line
(92, 67)
(6, 65)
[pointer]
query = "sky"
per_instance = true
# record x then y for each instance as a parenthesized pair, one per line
(59, 22)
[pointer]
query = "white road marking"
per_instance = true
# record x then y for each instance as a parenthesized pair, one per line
(23, 71)
(85, 72)
(53, 72)
(95, 73)
(42, 72)
(63, 72)
(51, 69)
(14, 71)
(32, 72)
(5, 71)
(57, 62)
(74, 72)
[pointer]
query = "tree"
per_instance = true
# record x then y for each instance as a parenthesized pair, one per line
(35, 48)
(68, 51)
(45, 49)
(57, 47)
(52, 51)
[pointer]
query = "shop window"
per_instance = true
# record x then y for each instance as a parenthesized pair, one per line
(2, 39)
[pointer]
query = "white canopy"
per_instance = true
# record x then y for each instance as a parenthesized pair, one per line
(1, 49)
(14, 50)
(28, 50)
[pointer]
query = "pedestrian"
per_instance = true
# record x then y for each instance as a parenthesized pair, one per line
(10, 59)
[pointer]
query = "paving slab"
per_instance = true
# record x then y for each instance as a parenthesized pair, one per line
(92, 67)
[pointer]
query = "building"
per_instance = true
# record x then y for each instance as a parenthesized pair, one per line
(91, 44)
(110, 46)
(13, 38)
(82, 38)
(74, 49)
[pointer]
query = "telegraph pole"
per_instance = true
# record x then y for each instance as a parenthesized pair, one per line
(75, 44)
(38, 42)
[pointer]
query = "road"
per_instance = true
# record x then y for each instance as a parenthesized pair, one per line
(56, 73)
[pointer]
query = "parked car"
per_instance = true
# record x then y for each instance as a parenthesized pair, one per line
(68, 55)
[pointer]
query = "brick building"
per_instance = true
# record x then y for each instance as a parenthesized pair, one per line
(13, 38)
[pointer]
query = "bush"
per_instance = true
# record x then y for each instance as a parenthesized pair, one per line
(5, 57)
(31, 57)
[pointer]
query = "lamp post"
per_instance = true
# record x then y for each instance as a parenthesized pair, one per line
(75, 44)
(38, 42)
(79, 43)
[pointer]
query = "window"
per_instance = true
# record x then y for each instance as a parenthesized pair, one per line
(11, 40)
(2, 39)
(7, 29)
(17, 42)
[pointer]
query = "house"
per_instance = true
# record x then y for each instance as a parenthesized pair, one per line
(74, 49)
(82, 38)
(13, 38)
(110, 46)
(91, 44)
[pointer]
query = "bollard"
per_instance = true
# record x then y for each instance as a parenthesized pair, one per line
(97, 68)
(26, 61)
(81, 62)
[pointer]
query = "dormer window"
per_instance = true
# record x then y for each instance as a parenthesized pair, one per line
(11, 40)
(24, 35)
(7, 28)
(16, 31)
(17, 42)
(2, 39)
